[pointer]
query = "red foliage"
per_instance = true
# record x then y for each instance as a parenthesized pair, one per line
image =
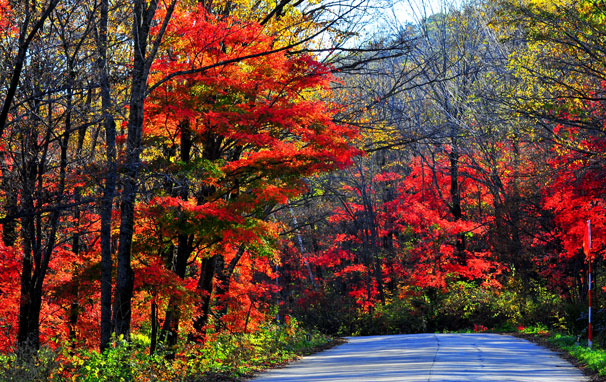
(258, 127)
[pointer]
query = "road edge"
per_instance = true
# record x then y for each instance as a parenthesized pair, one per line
(316, 349)
(541, 340)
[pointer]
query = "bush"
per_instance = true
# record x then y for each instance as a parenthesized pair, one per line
(224, 356)
(594, 358)
(467, 305)
(398, 316)
(119, 363)
(30, 365)
(326, 311)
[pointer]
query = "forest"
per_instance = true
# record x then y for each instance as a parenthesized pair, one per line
(188, 185)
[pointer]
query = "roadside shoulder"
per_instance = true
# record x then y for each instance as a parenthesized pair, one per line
(542, 340)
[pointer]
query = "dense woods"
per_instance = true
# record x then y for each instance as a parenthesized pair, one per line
(179, 174)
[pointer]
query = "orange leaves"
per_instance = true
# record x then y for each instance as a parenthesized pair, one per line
(233, 126)
(334, 257)
(159, 281)
(7, 24)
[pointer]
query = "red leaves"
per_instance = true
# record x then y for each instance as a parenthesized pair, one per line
(575, 195)
(10, 261)
(230, 132)
(8, 28)
(257, 125)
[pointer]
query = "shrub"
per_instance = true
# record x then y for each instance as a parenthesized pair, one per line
(30, 365)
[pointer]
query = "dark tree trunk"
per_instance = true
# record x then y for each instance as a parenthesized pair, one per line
(455, 198)
(125, 276)
(142, 21)
(74, 313)
(205, 290)
(30, 301)
(154, 326)
(170, 329)
(110, 181)
(224, 277)
(37, 253)
(74, 308)
(9, 227)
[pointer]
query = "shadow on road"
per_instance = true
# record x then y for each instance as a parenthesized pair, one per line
(430, 357)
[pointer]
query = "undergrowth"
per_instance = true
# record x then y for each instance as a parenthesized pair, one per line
(592, 361)
(594, 358)
(224, 357)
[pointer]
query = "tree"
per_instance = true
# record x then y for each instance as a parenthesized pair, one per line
(40, 155)
(234, 141)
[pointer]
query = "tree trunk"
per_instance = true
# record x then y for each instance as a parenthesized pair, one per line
(224, 277)
(37, 256)
(125, 276)
(142, 21)
(455, 197)
(74, 308)
(30, 301)
(205, 289)
(170, 329)
(9, 227)
(154, 326)
(109, 189)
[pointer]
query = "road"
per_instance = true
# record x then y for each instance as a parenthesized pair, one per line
(430, 357)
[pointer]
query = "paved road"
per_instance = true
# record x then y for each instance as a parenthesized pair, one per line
(430, 357)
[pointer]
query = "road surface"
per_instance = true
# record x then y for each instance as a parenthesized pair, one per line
(430, 357)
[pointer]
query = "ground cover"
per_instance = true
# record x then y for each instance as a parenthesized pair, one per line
(573, 348)
(228, 357)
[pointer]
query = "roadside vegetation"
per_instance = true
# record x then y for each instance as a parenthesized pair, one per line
(594, 359)
(573, 348)
(225, 357)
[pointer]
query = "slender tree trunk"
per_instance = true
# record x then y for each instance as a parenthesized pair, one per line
(143, 15)
(74, 308)
(170, 329)
(9, 228)
(154, 326)
(30, 301)
(125, 276)
(74, 313)
(111, 176)
(36, 256)
(224, 277)
(455, 196)
(25, 40)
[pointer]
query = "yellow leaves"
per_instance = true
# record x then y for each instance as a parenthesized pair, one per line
(287, 23)
(550, 5)
(551, 71)
(545, 5)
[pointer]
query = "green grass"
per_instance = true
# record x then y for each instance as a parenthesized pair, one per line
(535, 330)
(594, 358)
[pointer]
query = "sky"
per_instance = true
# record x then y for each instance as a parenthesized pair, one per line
(401, 12)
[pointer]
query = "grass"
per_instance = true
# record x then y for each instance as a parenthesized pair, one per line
(591, 361)
(594, 359)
